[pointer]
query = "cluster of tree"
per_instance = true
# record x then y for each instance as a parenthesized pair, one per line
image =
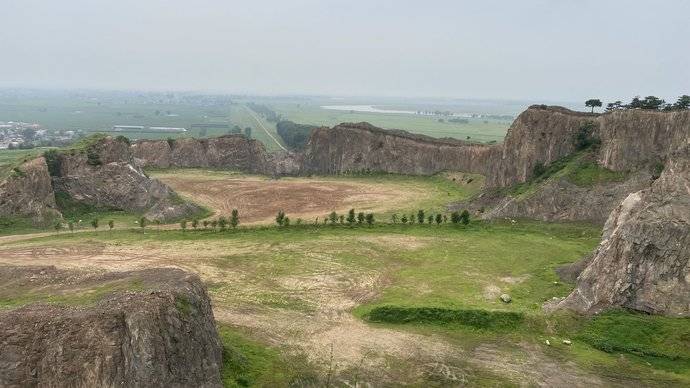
(295, 135)
(421, 217)
(222, 223)
(265, 111)
(95, 223)
(647, 103)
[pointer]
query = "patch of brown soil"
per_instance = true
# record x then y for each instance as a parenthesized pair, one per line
(259, 199)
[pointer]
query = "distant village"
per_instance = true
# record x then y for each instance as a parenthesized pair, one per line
(21, 135)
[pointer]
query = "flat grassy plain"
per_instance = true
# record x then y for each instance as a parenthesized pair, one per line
(476, 129)
(293, 303)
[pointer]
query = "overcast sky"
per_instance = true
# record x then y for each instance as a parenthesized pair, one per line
(514, 49)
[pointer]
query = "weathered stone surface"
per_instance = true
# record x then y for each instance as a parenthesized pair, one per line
(164, 336)
(116, 183)
(629, 140)
(362, 147)
(233, 152)
(643, 260)
(29, 193)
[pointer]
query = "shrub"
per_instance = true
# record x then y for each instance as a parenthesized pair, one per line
(420, 216)
(333, 218)
(481, 319)
(360, 217)
(195, 223)
(222, 223)
(183, 225)
(538, 170)
(52, 158)
(94, 223)
(439, 219)
(351, 216)
(465, 217)
(370, 219)
(455, 217)
(403, 219)
(280, 218)
(585, 137)
(234, 218)
(111, 224)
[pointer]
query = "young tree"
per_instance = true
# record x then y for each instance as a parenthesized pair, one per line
(465, 217)
(652, 103)
(111, 224)
(333, 218)
(682, 103)
(280, 218)
(183, 225)
(58, 226)
(411, 219)
(299, 221)
(94, 224)
(70, 226)
(234, 218)
(420, 216)
(195, 223)
(455, 217)
(430, 219)
(439, 219)
(205, 223)
(593, 103)
(351, 217)
(370, 218)
(142, 224)
(214, 223)
(222, 223)
(445, 218)
(404, 219)
(341, 218)
(286, 221)
(360, 217)
(394, 218)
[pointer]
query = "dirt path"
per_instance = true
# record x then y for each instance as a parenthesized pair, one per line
(251, 113)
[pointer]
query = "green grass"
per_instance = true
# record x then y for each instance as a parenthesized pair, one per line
(250, 363)
(476, 129)
(11, 159)
(10, 299)
(655, 339)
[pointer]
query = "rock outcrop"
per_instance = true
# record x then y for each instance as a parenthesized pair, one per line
(362, 147)
(159, 333)
(233, 152)
(630, 139)
(105, 176)
(643, 260)
(28, 192)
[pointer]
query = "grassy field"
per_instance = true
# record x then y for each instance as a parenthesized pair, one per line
(295, 303)
(476, 129)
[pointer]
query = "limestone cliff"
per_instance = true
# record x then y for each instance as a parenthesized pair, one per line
(104, 175)
(363, 147)
(28, 192)
(155, 329)
(233, 152)
(643, 260)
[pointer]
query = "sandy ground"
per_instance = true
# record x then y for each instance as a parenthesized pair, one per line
(258, 199)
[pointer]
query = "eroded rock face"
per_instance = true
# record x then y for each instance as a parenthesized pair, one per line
(629, 140)
(112, 180)
(28, 192)
(233, 152)
(161, 336)
(363, 147)
(643, 261)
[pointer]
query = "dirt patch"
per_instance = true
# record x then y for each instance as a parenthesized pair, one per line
(259, 199)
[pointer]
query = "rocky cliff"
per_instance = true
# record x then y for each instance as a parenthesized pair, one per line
(28, 192)
(105, 175)
(629, 140)
(154, 329)
(233, 152)
(362, 147)
(643, 260)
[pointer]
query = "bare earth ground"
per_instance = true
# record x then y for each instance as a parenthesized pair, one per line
(307, 308)
(258, 199)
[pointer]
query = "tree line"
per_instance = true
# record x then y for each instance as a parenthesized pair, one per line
(647, 103)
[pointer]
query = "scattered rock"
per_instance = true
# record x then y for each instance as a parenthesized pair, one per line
(505, 298)
(567, 342)
(548, 343)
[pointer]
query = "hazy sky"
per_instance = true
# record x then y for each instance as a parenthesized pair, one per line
(512, 49)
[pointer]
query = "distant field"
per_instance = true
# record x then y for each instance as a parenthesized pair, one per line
(476, 129)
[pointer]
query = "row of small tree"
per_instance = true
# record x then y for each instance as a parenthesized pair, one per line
(648, 103)
(222, 222)
(95, 223)
(421, 217)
